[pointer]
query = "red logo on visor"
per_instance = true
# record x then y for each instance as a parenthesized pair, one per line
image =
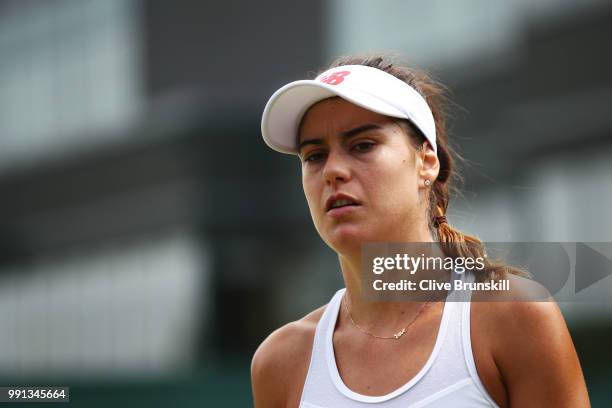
(335, 78)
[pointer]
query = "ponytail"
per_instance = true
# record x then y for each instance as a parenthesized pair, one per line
(456, 244)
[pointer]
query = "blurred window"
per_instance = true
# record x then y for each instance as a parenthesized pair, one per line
(69, 75)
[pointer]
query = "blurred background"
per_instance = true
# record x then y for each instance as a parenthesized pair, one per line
(149, 240)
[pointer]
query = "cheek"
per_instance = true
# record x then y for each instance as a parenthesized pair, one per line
(312, 193)
(394, 187)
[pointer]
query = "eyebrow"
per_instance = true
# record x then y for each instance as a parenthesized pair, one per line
(345, 135)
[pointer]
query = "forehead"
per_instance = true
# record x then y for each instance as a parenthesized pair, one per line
(338, 114)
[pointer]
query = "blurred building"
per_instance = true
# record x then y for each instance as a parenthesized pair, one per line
(146, 230)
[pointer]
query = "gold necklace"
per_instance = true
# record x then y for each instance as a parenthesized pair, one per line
(396, 336)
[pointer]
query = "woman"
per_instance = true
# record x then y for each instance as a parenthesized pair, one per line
(376, 167)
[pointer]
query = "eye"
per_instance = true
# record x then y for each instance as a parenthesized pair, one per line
(363, 146)
(314, 156)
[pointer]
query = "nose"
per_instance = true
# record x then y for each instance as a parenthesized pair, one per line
(336, 168)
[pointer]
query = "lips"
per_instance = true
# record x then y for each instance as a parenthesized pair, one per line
(340, 200)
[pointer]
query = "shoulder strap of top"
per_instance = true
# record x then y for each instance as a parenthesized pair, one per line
(317, 370)
(466, 339)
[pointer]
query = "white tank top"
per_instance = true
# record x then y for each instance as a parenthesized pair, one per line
(448, 378)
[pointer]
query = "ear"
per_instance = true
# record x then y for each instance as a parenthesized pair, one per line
(428, 164)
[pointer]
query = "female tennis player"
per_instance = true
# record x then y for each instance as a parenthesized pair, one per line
(376, 167)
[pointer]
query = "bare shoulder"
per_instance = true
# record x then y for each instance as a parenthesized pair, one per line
(525, 333)
(281, 361)
(286, 341)
(526, 313)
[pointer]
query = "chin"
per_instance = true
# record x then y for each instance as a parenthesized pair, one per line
(346, 238)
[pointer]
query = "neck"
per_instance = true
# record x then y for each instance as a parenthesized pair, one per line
(378, 316)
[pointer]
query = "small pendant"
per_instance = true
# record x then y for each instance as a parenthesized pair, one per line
(399, 333)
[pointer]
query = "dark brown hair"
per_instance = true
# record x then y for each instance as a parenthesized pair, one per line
(455, 243)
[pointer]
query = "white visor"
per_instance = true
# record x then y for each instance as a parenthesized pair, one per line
(367, 87)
